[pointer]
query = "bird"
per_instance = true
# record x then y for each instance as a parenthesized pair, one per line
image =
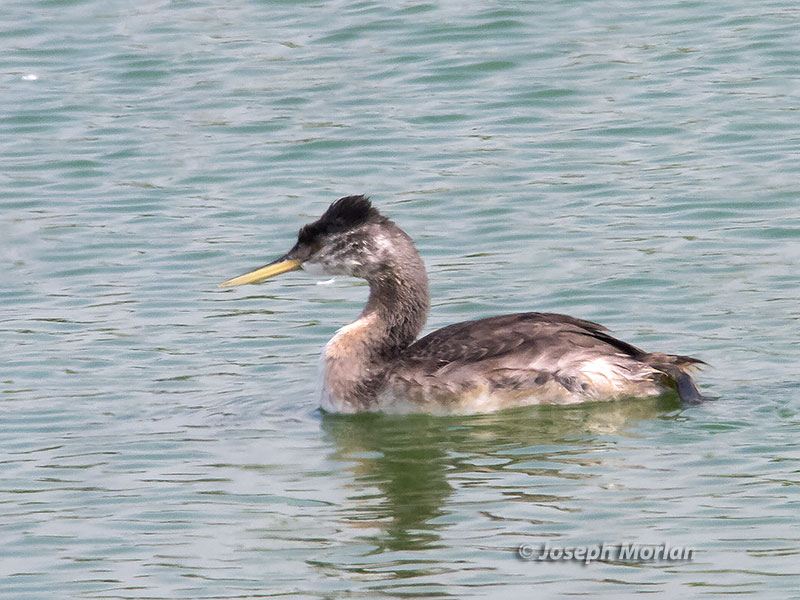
(377, 364)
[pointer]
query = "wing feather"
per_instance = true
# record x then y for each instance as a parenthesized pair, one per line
(513, 358)
(494, 337)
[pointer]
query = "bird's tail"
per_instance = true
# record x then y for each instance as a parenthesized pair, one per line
(676, 369)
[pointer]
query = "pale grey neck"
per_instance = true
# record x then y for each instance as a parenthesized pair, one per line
(398, 300)
(359, 357)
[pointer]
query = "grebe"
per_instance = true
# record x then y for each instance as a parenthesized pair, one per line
(374, 364)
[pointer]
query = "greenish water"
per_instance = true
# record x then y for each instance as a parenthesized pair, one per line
(621, 162)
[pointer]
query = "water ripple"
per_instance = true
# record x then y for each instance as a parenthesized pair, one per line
(627, 163)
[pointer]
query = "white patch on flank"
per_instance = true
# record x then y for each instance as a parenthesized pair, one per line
(602, 374)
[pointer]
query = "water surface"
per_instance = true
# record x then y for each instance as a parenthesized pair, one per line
(631, 164)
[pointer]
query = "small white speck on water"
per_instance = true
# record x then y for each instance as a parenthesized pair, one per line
(30, 77)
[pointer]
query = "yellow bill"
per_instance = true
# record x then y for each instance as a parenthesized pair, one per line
(274, 268)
